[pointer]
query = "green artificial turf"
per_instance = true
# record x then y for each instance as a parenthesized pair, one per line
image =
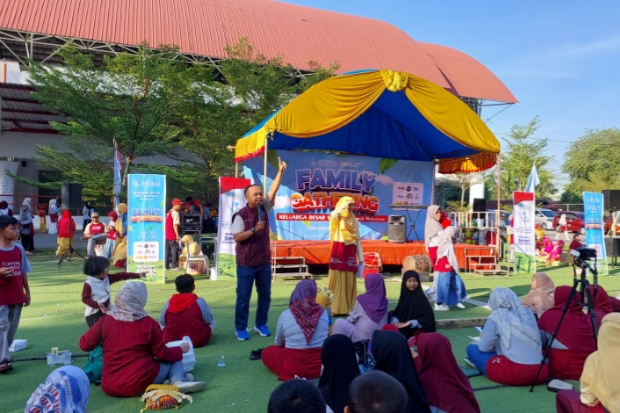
(55, 319)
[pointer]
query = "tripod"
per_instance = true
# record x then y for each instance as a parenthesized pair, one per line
(67, 256)
(585, 289)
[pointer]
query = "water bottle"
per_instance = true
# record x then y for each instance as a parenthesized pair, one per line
(221, 363)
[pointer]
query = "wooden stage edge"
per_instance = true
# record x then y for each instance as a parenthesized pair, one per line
(391, 253)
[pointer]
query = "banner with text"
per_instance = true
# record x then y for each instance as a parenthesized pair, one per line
(146, 200)
(232, 200)
(524, 232)
(595, 228)
(314, 182)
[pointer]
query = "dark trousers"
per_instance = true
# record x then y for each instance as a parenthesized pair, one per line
(172, 254)
(85, 222)
(27, 242)
(245, 281)
(93, 318)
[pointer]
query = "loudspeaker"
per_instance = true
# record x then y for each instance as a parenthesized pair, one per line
(397, 228)
(611, 200)
(71, 196)
(480, 205)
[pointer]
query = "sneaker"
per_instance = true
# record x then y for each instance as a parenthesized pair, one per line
(176, 269)
(469, 363)
(558, 385)
(190, 386)
(263, 330)
(461, 306)
(242, 335)
(441, 307)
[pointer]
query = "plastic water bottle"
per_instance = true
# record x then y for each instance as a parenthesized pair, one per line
(221, 363)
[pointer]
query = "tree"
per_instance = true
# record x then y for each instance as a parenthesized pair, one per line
(517, 160)
(215, 114)
(592, 161)
(463, 182)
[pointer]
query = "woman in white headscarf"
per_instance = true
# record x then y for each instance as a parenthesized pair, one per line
(26, 226)
(448, 288)
(53, 211)
(65, 390)
(510, 349)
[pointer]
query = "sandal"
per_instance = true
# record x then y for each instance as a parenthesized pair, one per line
(6, 367)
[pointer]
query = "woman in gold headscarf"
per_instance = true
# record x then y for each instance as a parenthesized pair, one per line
(346, 253)
(120, 251)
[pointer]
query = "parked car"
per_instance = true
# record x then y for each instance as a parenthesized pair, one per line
(544, 218)
(575, 222)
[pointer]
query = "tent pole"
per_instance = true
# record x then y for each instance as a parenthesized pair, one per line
(499, 205)
(265, 167)
(236, 169)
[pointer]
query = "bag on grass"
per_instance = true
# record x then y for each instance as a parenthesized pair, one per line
(94, 365)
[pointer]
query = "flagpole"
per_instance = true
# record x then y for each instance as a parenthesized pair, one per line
(499, 205)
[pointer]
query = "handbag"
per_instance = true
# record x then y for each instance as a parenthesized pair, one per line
(94, 365)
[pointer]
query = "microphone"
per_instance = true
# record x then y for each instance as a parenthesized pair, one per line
(260, 211)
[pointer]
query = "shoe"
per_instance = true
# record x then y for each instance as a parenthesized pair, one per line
(558, 385)
(469, 363)
(176, 269)
(256, 354)
(189, 377)
(441, 307)
(242, 335)
(190, 386)
(461, 306)
(6, 366)
(263, 330)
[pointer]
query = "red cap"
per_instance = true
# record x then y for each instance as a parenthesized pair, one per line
(177, 201)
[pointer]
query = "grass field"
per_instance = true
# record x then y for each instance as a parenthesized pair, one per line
(55, 319)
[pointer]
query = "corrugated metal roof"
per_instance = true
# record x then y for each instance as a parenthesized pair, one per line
(20, 113)
(467, 76)
(299, 34)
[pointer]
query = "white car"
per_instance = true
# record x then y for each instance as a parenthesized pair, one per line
(544, 218)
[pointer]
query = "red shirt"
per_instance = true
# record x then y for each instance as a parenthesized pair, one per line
(95, 229)
(63, 228)
(188, 322)
(129, 351)
(12, 286)
(575, 244)
(443, 265)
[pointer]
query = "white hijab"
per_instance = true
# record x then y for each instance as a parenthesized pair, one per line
(446, 247)
(431, 226)
(511, 317)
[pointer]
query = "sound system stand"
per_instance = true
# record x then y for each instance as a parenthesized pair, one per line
(416, 209)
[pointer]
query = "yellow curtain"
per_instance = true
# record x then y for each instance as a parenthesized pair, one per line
(474, 163)
(339, 100)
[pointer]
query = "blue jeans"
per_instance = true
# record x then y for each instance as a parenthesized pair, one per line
(479, 358)
(450, 288)
(245, 281)
(171, 371)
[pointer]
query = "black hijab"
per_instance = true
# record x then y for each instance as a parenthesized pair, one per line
(339, 369)
(413, 305)
(393, 357)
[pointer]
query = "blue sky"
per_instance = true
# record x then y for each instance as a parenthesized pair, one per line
(561, 59)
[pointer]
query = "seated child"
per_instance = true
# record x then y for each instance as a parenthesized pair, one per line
(575, 243)
(96, 291)
(195, 258)
(186, 314)
(555, 258)
(547, 248)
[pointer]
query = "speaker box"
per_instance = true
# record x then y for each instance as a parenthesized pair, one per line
(397, 228)
(480, 205)
(611, 200)
(71, 196)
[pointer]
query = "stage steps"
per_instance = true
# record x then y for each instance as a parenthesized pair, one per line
(286, 267)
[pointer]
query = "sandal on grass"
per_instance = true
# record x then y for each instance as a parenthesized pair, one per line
(5, 367)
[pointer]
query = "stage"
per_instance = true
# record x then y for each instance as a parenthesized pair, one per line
(318, 252)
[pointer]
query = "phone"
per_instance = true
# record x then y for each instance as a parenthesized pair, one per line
(479, 328)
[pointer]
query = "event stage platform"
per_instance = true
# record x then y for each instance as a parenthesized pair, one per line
(317, 252)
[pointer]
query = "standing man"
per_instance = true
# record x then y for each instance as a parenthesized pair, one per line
(173, 235)
(95, 233)
(250, 229)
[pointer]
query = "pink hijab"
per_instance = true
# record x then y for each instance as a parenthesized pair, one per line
(540, 298)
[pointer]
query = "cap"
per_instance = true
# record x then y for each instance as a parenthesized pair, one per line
(177, 201)
(95, 214)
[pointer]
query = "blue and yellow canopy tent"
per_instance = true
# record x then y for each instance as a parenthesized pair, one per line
(382, 114)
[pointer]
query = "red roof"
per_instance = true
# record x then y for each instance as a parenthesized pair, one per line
(205, 27)
(467, 76)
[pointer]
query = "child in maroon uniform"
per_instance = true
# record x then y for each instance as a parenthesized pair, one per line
(14, 289)
(186, 314)
(96, 291)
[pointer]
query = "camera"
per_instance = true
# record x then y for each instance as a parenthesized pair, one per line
(583, 254)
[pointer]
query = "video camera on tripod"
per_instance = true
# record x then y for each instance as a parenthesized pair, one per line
(582, 255)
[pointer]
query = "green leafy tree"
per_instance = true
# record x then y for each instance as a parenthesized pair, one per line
(593, 162)
(517, 158)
